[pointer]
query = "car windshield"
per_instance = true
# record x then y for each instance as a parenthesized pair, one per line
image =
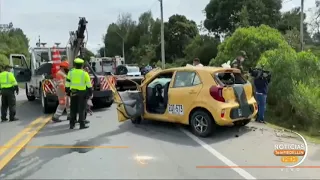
(132, 69)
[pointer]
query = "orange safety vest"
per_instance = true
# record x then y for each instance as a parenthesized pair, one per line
(61, 83)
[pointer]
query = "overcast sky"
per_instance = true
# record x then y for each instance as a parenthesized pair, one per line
(53, 19)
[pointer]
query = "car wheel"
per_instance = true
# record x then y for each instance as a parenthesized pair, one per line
(202, 124)
(30, 98)
(136, 120)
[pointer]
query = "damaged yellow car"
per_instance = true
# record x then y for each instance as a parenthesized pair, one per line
(202, 97)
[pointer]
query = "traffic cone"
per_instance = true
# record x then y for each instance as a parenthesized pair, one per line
(56, 60)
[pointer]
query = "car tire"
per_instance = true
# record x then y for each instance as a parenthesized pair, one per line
(243, 122)
(44, 103)
(200, 115)
(30, 98)
(136, 120)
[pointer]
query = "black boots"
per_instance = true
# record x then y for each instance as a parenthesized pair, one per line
(54, 119)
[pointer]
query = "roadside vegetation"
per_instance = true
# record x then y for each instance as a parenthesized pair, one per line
(270, 37)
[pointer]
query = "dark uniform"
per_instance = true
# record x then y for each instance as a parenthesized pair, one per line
(9, 86)
(237, 63)
(79, 88)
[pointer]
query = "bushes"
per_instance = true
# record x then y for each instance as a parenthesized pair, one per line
(294, 93)
(12, 42)
(253, 40)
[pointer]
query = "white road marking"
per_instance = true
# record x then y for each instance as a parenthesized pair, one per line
(218, 155)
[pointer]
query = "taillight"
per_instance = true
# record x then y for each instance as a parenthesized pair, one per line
(222, 113)
(216, 93)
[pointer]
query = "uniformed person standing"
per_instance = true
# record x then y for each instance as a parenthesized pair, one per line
(79, 88)
(237, 63)
(9, 86)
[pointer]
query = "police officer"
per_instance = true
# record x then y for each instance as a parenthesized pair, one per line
(79, 88)
(237, 63)
(8, 86)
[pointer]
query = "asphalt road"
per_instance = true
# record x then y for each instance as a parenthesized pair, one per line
(113, 150)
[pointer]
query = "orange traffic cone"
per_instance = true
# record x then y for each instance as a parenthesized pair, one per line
(56, 60)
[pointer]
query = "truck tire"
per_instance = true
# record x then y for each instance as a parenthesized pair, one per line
(30, 98)
(102, 103)
(107, 104)
(44, 103)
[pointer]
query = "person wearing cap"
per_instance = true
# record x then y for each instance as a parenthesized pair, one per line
(9, 86)
(196, 62)
(237, 63)
(79, 88)
(64, 100)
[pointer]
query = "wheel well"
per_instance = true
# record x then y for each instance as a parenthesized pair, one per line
(201, 109)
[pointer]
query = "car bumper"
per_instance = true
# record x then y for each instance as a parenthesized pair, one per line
(232, 114)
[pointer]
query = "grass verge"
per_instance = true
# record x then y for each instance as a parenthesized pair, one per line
(277, 123)
(309, 138)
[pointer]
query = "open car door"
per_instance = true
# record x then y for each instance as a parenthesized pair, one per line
(21, 70)
(130, 104)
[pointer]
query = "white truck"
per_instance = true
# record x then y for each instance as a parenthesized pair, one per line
(36, 72)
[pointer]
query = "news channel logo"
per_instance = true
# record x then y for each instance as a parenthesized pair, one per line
(292, 154)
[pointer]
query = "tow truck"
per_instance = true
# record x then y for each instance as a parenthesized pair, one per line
(126, 75)
(36, 72)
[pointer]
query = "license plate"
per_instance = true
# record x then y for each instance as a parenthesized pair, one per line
(240, 112)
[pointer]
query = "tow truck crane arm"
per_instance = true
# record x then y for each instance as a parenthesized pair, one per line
(77, 46)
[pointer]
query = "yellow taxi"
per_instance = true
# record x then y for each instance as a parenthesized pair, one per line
(202, 97)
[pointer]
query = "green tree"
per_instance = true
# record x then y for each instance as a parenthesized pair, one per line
(290, 20)
(224, 16)
(203, 47)
(118, 33)
(13, 41)
(88, 54)
(179, 31)
(253, 40)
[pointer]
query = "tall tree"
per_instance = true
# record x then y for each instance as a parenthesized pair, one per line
(178, 33)
(224, 16)
(203, 47)
(13, 41)
(290, 21)
(118, 33)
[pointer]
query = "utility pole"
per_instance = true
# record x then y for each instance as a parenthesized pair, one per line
(0, 11)
(301, 24)
(162, 37)
(122, 46)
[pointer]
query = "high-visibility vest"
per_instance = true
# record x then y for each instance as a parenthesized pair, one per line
(7, 80)
(60, 82)
(78, 79)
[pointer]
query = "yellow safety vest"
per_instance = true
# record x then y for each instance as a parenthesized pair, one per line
(78, 79)
(7, 80)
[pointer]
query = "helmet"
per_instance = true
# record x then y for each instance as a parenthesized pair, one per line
(64, 64)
